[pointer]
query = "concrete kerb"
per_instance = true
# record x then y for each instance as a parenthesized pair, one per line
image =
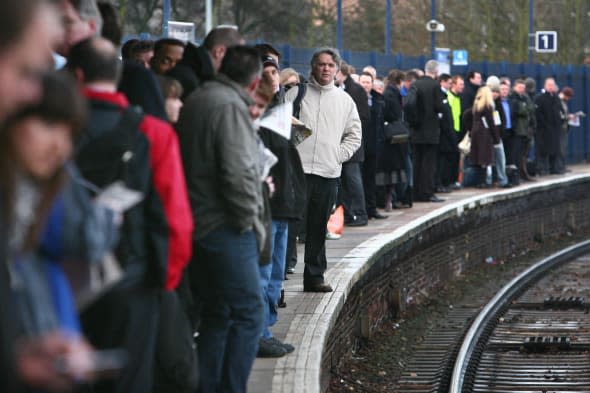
(302, 372)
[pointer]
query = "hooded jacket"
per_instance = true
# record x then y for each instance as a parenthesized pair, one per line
(336, 128)
(193, 70)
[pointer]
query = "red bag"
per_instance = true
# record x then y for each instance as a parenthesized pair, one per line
(336, 221)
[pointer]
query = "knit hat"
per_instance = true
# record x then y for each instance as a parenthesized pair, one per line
(269, 61)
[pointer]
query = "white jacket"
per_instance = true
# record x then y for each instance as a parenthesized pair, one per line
(336, 128)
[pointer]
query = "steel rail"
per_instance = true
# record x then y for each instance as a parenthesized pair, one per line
(501, 299)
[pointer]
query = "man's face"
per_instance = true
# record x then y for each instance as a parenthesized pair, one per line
(519, 88)
(446, 85)
(324, 69)
(476, 80)
(504, 91)
(167, 58)
(458, 86)
(340, 78)
(76, 29)
(258, 108)
(366, 82)
(28, 58)
(550, 86)
(144, 58)
(272, 74)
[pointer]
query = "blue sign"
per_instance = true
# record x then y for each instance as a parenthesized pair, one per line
(441, 55)
(460, 57)
(546, 41)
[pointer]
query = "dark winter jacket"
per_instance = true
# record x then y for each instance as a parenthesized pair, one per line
(360, 98)
(193, 69)
(448, 136)
(288, 200)
(429, 106)
(548, 114)
(521, 109)
(390, 157)
(468, 95)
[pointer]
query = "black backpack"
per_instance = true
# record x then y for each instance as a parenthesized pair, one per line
(117, 143)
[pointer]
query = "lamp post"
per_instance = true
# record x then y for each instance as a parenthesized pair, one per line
(388, 27)
(433, 34)
(531, 30)
(165, 18)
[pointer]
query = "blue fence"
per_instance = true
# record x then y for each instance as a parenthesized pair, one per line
(565, 75)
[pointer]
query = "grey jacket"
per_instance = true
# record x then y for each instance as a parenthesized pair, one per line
(221, 161)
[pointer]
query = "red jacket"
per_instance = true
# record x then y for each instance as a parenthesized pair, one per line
(170, 184)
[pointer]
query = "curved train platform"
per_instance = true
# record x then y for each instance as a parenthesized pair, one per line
(394, 263)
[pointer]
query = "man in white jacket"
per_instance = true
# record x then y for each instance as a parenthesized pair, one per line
(333, 118)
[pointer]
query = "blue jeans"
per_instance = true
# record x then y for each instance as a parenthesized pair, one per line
(500, 165)
(232, 315)
(273, 274)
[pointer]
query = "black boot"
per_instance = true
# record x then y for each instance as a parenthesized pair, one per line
(282, 303)
(408, 196)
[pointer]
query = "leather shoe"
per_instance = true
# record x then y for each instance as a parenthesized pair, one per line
(436, 199)
(321, 287)
(359, 222)
(377, 216)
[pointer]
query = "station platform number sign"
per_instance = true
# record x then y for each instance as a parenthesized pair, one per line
(546, 41)
(460, 57)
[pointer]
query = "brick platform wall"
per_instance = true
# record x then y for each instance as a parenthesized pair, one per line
(412, 267)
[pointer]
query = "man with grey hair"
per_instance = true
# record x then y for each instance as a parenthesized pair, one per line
(425, 133)
(82, 20)
(336, 136)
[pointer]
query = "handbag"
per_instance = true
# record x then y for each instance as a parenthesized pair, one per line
(465, 145)
(396, 132)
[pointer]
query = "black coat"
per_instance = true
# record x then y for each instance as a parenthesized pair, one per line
(288, 201)
(548, 113)
(360, 98)
(390, 157)
(427, 131)
(448, 136)
(468, 95)
(193, 69)
(141, 88)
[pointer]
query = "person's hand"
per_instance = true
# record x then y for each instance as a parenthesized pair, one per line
(271, 185)
(53, 362)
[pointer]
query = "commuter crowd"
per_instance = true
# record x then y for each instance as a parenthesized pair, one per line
(150, 207)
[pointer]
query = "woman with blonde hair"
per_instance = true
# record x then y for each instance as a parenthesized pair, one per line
(484, 133)
(289, 78)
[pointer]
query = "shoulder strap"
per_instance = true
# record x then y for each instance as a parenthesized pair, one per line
(301, 90)
(129, 128)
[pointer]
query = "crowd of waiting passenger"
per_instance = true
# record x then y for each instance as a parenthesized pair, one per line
(150, 212)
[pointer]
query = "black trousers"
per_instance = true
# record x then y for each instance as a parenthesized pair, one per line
(446, 168)
(126, 319)
(321, 194)
(353, 193)
(512, 146)
(294, 226)
(425, 163)
(369, 169)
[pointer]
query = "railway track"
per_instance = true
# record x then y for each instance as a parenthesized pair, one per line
(532, 337)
